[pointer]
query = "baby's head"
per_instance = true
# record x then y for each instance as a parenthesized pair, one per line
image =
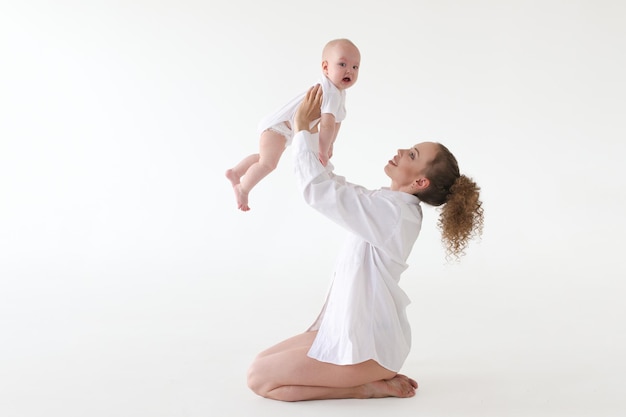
(340, 63)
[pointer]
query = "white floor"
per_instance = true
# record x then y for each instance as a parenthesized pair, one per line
(181, 348)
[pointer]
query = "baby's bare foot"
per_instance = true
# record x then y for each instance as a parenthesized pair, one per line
(240, 195)
(399, 386)
(232, 177)
(242, 198)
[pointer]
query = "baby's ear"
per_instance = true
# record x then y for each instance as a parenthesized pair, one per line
(324, 66)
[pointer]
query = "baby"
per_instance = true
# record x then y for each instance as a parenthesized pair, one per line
(340, 70)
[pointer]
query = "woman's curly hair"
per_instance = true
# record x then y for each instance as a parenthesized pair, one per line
(461, 217)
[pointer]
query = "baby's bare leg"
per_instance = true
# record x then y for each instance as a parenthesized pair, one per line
(271, 147)
(235, 173)
(252, 169)
(234, 176)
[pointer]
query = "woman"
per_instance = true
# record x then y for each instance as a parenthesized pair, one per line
(362, 337)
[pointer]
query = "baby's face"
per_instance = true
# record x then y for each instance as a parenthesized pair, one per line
(341, 65)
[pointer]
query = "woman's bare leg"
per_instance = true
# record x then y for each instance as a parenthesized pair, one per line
(252, 169)
(285, 372)
(298, 341)
(399, 386)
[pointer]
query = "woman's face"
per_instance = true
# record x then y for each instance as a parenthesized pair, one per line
(406, 169)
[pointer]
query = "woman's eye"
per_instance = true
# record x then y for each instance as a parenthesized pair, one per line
(412, 155)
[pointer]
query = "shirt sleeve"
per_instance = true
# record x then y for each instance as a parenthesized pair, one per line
(331, 103)
(361, 211)
(332, 100)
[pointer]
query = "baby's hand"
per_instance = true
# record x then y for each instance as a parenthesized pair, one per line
(323, 157)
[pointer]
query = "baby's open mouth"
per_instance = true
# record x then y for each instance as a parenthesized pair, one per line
(347, 79)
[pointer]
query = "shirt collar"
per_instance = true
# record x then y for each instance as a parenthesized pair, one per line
(406, 197)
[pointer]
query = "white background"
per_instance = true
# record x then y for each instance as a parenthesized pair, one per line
(131, 286)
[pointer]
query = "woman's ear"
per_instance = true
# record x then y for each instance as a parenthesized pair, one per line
(421, 183)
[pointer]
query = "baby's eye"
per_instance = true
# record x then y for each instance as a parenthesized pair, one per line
(342, 64)
(356, 67)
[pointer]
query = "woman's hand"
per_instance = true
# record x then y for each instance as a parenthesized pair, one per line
(309, 109)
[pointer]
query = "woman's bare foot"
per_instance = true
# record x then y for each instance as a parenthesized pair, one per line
(399, 386)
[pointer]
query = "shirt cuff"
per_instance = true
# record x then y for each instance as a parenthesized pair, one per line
(305, 152)
(305, 141)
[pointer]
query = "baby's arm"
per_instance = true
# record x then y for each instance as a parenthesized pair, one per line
(330, 149)
(328, 133)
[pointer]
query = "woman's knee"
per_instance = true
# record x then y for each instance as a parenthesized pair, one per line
(256, 381)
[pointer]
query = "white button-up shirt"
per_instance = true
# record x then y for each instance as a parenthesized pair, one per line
(364, 316)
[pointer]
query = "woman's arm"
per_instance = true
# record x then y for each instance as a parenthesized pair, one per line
(369, 214)
(363, 212)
